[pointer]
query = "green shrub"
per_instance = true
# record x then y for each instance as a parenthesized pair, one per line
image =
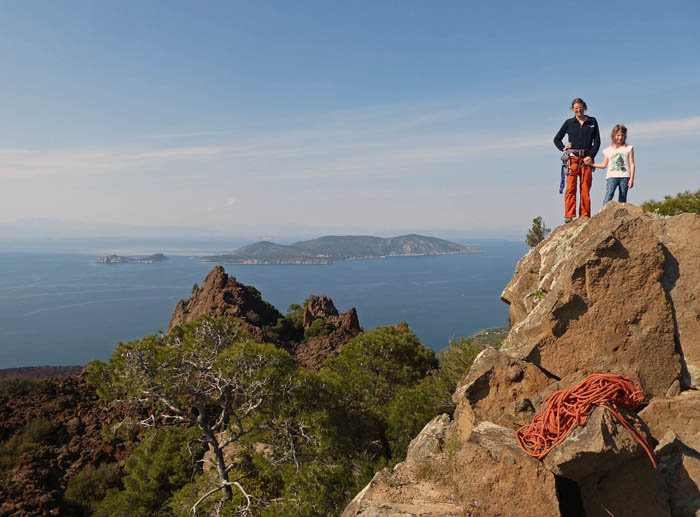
(537, 232)
(15, 386)
(683, 202)
(409, 411)
(319, 327)
(39, 431)
(9, 454)
(455, 362)
(89, 486)
(162, 463)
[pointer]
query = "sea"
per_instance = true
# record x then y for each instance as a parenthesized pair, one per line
(60, 307)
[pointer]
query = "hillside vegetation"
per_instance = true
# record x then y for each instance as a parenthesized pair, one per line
(281, 439)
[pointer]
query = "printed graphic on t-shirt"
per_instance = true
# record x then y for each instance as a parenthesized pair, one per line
(618, 163)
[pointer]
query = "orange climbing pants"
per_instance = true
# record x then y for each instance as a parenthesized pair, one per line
(583, 174)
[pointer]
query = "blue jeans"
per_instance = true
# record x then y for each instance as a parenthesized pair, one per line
(614, 183)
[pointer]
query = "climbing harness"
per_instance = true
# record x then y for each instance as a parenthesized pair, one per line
(571, 163)
(563, 410)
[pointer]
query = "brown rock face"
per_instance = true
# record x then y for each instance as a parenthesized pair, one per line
(485, 474)
(221, 295)
(599, 446)
(613, 294)
(315, 350)
(319, 307)
(680, 236)
(501, 389)
(595, 297)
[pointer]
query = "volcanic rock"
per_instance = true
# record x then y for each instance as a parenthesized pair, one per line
(221, 295)
(680, 414)
(487, 475)
(319, 307)
(312, 352)
(679, 470)
(600, 446)
(631, 490)
(500, 389)
(680, 236)
(34, 484)
(593, 297)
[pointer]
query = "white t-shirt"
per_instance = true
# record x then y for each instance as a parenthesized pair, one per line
(618, 161)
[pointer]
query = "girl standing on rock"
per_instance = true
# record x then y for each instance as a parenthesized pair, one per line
(619, 159)
(584, 142)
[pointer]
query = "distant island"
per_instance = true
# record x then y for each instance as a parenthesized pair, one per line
(117, 259)
(330, 249)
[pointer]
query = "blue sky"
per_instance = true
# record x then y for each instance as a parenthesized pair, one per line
(373, 117)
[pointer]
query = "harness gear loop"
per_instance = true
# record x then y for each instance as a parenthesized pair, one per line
(571, 164)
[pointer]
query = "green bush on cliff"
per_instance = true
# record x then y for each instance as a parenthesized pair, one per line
(683, 202)
(318, 328)
(537, 232)
(415, 405)
(164, 461)
(455, 362)
(88, 487)
(16, 386)
(368, 374)
(37, 433)
(289, 329)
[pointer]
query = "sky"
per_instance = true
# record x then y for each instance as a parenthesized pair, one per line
(359, 116)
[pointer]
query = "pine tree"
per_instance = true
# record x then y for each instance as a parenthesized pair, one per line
(537, 233)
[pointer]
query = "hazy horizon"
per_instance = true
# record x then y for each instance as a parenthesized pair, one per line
(57, 230)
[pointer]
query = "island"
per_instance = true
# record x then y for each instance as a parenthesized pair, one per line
(118, 259)
(330, 249)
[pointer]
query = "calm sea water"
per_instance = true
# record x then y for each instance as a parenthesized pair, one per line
(63, 308)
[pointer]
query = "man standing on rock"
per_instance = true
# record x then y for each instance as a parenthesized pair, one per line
(584, 142)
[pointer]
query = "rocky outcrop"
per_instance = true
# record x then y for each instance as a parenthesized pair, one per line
(312, 352)
(484, 473)
(612, 294)
(33, 483)
(594, 297)
(221, 295)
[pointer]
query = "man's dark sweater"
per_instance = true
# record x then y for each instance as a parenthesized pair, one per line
(584, 136)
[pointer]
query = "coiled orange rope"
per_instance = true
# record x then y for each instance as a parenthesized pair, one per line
(564, 409)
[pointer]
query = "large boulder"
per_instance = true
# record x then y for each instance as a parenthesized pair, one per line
(595, 297)
(601, 445)
(680, 236)
(486, 474)
(500, 389)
